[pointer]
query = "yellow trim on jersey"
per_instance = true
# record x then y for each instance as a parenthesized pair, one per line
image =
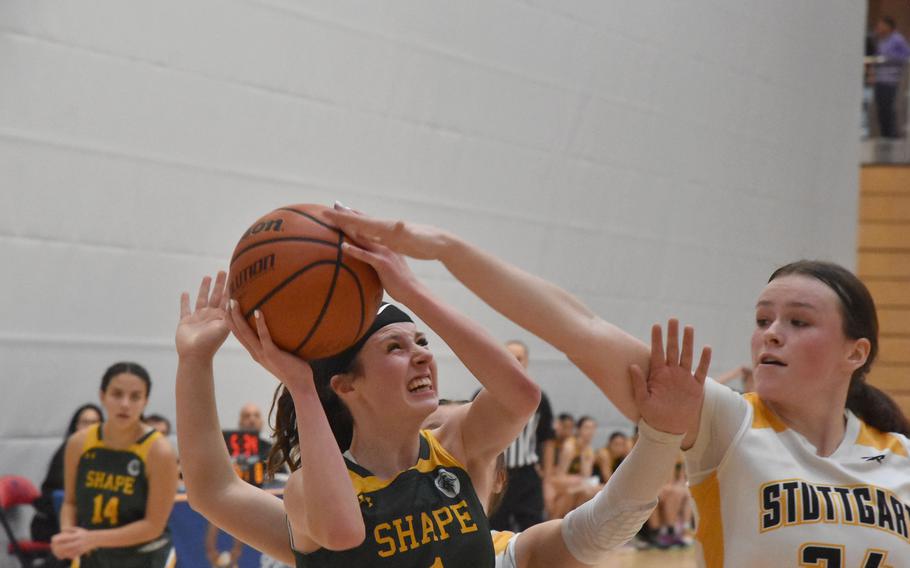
(438, 457)
(75, 563)
(762, 416)
(710, 532)
(501, 540)
(869, 436)
(142, 449)
(91, 439)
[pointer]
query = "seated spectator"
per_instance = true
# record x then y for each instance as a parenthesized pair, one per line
(45, 523)
(159, 422)
(609, 457)
(249, 420)
(577, 477)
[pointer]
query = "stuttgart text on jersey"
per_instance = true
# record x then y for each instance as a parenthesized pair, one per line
(794, 502)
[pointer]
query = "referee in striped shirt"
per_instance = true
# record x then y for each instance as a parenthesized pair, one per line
(522, 505)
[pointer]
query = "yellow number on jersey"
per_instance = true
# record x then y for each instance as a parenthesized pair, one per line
(437, 563)
(103, 511)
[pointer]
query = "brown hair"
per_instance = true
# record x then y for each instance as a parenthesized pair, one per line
(860, 321)
(286, 449)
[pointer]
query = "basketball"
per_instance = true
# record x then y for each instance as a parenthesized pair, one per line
(289, 264)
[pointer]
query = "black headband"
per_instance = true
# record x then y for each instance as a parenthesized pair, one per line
(340, 363)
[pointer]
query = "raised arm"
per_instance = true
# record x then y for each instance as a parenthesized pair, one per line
(670, 400)
(599, 349)
(322, 508)
(247, 513)
(509, 397)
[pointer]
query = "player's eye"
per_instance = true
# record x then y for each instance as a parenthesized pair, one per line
(762, 322)
(392, 346)
(423, 342)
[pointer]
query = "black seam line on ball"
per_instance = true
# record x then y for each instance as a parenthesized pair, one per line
(310, 217)
(284, 283)
(328, 297)
(282, 239)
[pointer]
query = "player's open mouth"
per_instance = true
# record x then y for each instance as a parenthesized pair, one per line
(420, 384)
(771, 360)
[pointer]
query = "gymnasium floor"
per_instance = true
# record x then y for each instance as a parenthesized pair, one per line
(630, 558)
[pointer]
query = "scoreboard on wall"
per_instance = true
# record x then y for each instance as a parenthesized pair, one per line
(248, 454)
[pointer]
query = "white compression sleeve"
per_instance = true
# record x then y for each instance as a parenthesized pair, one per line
(617, 512)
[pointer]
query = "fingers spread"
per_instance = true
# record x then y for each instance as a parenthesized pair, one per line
(703, 363)
(685, 359)
(184, 305)
(673, 342)
(657, 347)
(218, 291)
(203, 296)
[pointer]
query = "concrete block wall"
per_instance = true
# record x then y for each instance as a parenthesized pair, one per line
(655, 158)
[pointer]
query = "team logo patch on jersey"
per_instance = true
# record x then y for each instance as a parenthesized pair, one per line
(447, 482)
(132, 468)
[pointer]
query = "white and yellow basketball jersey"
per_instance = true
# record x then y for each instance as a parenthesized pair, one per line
(773, 502)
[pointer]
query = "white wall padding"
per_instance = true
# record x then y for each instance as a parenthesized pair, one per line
(656, 158)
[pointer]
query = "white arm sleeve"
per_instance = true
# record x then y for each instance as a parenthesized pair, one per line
(722, 415)
(616, 513)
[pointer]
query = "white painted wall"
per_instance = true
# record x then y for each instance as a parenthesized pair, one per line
(656, 158)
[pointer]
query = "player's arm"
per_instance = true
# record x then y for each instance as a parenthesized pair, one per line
(61, 543)
(214, 490)
(509, 397)
(70, 463)
(322, 508)
(599, 349)
(162, 477)
(668, 399)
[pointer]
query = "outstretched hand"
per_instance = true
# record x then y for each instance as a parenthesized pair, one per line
(422, 242)
(671, 395)
(291, 370)
(203, 329)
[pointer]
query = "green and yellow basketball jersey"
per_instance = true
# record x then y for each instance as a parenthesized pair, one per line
(426, 517)
(111, 485)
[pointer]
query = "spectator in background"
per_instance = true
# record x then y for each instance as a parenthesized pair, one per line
(895, 51)
(45, 523)
(577, 477)
(159, 422)
(744, 372)
(609, 457)
(250, 420)
(522, 504)
(565, 429)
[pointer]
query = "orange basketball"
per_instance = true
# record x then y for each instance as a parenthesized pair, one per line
(317, 301)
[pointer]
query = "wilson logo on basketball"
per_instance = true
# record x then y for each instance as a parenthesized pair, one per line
(271, 225)
(259, 266)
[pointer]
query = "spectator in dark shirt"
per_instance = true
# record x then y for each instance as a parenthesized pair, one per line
(45, 523)
(523, 502)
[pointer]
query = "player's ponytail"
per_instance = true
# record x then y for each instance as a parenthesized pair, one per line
(876, 408)
(286, 449)
(870, 404)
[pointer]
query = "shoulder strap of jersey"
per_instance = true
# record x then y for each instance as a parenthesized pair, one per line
(93, 437)
(437, 455)
(762, 416)
(881, 441)
(141, 446)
